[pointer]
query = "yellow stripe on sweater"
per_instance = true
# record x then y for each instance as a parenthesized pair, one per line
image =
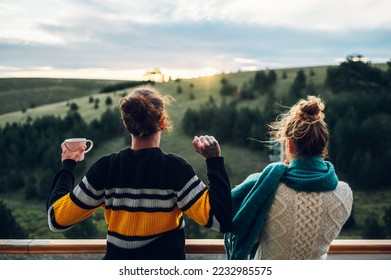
(67, 213)
(200, 210)
(142, 223)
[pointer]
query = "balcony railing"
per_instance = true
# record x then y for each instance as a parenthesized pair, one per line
(371, 249)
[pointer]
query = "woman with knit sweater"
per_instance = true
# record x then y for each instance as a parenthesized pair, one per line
(295, 209)
(144, 191)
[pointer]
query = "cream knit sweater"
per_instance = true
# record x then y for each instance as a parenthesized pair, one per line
(302, 225)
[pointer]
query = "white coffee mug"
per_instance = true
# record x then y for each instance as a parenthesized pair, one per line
(74, 144)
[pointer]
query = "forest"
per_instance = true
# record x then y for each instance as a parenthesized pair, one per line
(357, 96)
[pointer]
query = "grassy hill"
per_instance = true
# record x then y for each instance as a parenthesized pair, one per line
(24, 93)
(54, 96)
(23, 98)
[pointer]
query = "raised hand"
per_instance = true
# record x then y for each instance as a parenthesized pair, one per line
(207, 146)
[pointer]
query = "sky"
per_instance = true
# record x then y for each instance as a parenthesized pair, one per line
(120, 39)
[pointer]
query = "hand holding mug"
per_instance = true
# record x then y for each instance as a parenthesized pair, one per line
(75, 148)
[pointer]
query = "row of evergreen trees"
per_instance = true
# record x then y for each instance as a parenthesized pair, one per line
(356, 75)
(31, 151)
(359, 117)
(226, 122)
(260, 84)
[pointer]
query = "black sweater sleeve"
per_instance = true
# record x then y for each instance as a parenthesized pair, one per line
(220, 192)
(63, 182)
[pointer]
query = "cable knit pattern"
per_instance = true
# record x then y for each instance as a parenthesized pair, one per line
(302, 225)
(308, 210)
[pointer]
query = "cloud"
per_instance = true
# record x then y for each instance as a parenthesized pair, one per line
(330, 15)
(303, 14)
(228, 35)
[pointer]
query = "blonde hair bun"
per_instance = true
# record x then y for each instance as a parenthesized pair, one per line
(311, 108)
(304, 125)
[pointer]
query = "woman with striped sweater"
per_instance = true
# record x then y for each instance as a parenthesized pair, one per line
(143, 190)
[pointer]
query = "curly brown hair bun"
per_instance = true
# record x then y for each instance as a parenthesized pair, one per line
(143, 112)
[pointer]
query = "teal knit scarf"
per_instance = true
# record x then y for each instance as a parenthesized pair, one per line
(253, 197)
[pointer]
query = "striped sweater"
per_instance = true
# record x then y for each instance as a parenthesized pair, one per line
(144, 194)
